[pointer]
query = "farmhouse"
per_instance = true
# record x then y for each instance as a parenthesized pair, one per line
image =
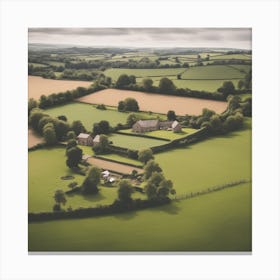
(96, 140)
(151, 125)
(84, 139)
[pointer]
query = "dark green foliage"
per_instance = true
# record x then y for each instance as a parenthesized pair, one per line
(62, 118)
(166, 86)
(32, 103)
(131, 105)
(74, 156)
(150, 167)
(90, 184)
(59, 198)
(103, 127)
(56, 207)
(145, 155)
(124, 191)
(133, 154)
(70, 144)
(123, 81)
(132, 119)
(78, 127)
(71, 135)
(35, 116)
(61, 128)
(227, 88)
(171, 116)
(101, 107)
(103, 146)
(121, 106)
(49, 134)
(147, 84)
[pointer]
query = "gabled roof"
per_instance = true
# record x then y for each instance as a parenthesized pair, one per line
(96, 138)
(148, 123)
(83, 135)
(174, 124)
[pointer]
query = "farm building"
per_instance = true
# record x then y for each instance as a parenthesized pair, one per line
(151, 125)
(84, 139)
(145, 126)
(96, 140)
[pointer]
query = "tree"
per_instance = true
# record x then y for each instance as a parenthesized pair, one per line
(132, 79)
(49, 134)
(166, 86)
(62, 118)
(35, 116)
(124, 191)
(241, 84)
(207, 114)
(121, 106)
(147, 84)
(123, 81)
(32, 103)
(78, 127)
(59, 198)
(131, 105)
(103, 127)
(145, 155)
(171, 116)
(42, 122)
(70, 144)
(102, 146)
(61, 129)
(216, 124)
(227, 88)
(248, 80)
(90, 184)
(71, 135)
(233, 102)
(132, 119)
(74, 156)
(150, 167)
(72, 185)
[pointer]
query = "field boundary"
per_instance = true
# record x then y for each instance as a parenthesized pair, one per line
(120, 162)
(211, 189)
(142, 135)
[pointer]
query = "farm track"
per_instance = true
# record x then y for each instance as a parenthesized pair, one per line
(118, 167)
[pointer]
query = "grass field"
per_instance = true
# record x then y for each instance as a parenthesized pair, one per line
(45, 167)
(209, 163)
(135, 143)
(164, 133)
(38, 65)
(88, 114)
(219, 221)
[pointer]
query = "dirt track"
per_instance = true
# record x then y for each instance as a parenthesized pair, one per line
(104, 164)
(155, 102)
(33, 139)
(38, 86)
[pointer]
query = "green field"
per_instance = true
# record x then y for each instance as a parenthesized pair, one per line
(88, 114)
(38, 65)
(209, 163)
(164, 133)
(219, 221)
(114, 73)
(45, 167)
(212, 72)
(133, 142)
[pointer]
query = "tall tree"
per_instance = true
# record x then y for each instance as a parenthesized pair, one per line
(90, 184)
(166, 86)
(74, 156)
(124, 191)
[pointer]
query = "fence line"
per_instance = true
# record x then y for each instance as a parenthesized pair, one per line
(210, 190)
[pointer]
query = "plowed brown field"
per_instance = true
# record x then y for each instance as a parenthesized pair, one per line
(158, 103)
(38, 86)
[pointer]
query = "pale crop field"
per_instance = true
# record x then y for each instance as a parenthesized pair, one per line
(38, 86)
(150, 102)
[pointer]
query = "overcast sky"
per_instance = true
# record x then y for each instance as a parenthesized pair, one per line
(145, 37)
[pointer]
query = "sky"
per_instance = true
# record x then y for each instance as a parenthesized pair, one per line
(239, 38)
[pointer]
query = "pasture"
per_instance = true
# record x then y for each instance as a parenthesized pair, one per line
(150, 102)
(133, 142)
(219, 221)
(38, 86)
(122, 159)
(164, 133)
(209, 163)
(88, 114)
(45, 169)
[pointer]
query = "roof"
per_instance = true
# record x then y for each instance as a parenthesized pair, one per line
(105, 173)
(174, 124)
(85, 157)
(83, 135)
(148, 123)
(96, 138)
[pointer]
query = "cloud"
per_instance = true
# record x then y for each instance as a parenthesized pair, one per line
(140, 37)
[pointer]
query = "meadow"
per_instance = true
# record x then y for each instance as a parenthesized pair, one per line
(133, 142)
(219, 221)
(88, 114)
(170, 135)
(45, 169)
